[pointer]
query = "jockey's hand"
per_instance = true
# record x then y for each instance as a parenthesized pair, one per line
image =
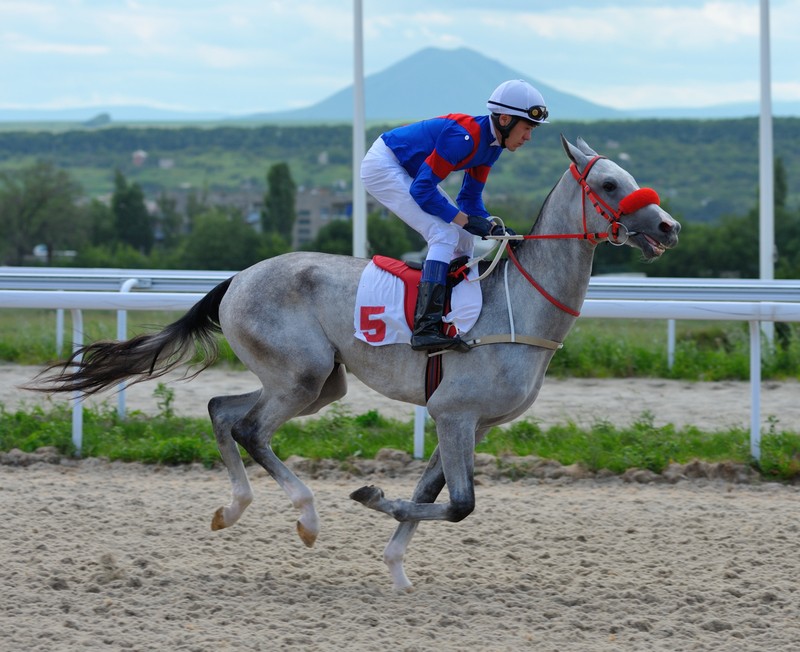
(477, 225)
(501, 230)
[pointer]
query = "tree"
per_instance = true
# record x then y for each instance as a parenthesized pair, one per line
(170, 221)
(38, 206)
(220, 240)
(390, 237)
(334, 238)
(278, 215)
(131, 219)
(101, 222)
(781, 189)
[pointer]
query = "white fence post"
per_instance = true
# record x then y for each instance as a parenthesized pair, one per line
(122, 334)
(670, 343)
(420, 417)
(755, 389)
(77, 401)
(59, 331)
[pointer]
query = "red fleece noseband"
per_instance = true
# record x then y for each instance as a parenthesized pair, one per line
(638, 199)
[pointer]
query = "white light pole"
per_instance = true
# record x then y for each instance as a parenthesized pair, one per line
(359, 147)
(766, 182)
(766, 234)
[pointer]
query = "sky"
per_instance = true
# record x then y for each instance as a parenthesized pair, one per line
(239, 57)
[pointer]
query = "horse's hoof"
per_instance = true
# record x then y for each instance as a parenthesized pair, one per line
(306, 536)
(218, 522)
(368, 496)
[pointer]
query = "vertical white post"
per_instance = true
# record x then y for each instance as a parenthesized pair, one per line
(420, 416)
(766, 220)
(122, 334)
(59, 332)
(670, 343)
(755, 389)
(77, 401)
(359, 146)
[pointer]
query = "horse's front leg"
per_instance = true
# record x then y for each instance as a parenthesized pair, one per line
(456, 443)
(428, 488)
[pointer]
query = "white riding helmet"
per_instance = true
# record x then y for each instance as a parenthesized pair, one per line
(517, 97)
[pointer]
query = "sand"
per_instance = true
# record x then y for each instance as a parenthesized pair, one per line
(113, 556)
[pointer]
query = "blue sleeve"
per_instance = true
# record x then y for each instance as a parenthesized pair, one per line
(470, 198)
(453, 144)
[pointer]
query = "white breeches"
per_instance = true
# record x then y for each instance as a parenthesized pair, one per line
(386, 180)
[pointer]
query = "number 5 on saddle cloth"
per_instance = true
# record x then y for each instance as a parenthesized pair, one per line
(387, 295)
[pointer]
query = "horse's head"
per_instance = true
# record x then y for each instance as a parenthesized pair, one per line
(609, 193)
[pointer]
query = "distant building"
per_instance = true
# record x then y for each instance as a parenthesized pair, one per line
(314, 207)
(318, 207)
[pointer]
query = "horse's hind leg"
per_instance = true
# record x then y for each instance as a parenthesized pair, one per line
(335, 387)
(224, 412)
(288, 398)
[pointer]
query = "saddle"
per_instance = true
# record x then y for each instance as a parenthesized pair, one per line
(411, 273)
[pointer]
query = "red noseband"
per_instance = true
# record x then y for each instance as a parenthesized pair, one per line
(638, 199)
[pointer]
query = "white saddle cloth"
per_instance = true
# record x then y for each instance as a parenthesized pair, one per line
(380, 317)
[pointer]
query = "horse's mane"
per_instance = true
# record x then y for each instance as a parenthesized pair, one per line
(541, 210)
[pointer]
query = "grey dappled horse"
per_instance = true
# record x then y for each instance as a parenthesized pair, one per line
(290, 320)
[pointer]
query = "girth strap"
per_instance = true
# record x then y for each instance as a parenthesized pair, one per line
(518, 339)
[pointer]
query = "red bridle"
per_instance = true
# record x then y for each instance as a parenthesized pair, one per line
(629, 204)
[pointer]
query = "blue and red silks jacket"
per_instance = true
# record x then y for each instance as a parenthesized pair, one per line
(431, 149)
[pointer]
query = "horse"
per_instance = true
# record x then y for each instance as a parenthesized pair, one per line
(289, 319)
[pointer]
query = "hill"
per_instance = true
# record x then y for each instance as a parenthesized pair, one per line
(434, 82)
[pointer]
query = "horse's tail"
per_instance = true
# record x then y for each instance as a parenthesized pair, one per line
(97, 366)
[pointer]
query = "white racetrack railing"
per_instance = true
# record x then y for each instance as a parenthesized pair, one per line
(608, 298)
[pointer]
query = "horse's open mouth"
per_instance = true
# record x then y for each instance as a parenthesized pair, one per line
(651, 248)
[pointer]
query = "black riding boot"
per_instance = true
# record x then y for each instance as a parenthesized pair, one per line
(427, 334)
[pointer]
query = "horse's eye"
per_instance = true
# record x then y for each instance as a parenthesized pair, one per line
(609, 186)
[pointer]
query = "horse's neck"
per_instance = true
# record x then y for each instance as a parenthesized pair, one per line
(561, 266)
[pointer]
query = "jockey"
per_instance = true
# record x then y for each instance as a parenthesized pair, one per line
(403, 170)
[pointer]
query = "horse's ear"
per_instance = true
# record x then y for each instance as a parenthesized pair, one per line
(575, 154)
(585, 148)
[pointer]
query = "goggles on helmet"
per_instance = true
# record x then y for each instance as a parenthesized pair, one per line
(536, 113)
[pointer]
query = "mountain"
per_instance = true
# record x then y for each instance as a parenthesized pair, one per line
(434, 82)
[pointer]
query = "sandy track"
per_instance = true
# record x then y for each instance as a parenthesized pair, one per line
(121, 556)
(118, 557)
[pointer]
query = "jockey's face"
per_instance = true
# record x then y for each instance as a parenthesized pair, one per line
(520, 133)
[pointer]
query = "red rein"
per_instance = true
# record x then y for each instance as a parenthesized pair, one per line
(631, 203)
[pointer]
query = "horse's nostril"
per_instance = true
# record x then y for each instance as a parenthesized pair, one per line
(665, 227)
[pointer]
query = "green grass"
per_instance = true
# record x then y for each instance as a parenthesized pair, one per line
(167, 439)
(29, 336)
